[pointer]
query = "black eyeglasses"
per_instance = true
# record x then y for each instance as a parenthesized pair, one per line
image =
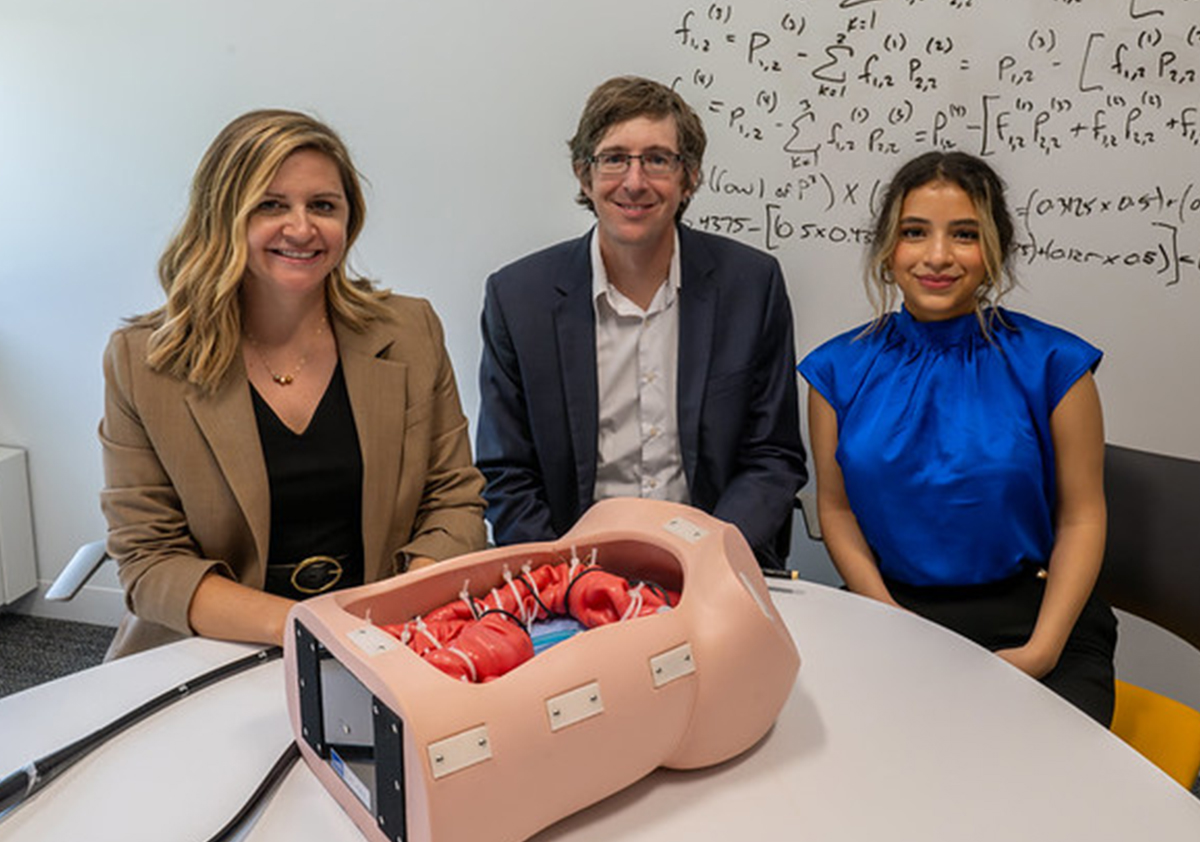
(654, 164)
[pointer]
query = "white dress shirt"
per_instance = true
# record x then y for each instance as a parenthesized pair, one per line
(637, 351)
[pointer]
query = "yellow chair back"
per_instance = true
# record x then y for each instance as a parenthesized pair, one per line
(1165, 731)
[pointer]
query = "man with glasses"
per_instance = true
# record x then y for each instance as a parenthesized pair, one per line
(644, 359)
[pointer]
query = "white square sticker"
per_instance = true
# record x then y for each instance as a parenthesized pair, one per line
(372, 640)
(685, 529)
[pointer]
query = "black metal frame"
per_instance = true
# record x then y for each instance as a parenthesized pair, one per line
(389, 807)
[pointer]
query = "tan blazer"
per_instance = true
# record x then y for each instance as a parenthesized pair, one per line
(186, 487)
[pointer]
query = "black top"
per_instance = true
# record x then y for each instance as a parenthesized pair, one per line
(315, 480)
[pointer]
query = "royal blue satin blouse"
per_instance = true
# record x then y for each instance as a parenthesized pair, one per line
(944, 440)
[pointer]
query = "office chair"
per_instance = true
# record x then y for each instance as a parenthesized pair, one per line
(1152, 569)
(806, 504)
(1164, 731)
(82, 566)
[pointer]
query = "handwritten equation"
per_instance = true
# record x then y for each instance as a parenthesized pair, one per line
(1090, 110)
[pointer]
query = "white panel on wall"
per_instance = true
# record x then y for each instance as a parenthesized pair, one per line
(18, 568)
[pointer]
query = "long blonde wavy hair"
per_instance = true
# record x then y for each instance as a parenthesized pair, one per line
(196, 334)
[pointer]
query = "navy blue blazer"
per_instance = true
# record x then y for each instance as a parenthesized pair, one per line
(739, 425)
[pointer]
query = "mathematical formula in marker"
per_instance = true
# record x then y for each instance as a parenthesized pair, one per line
(811, 105)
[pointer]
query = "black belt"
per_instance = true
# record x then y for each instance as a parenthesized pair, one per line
(314, 575)
(1028, 570)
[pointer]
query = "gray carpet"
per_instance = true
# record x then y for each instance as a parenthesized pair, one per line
(34, 650)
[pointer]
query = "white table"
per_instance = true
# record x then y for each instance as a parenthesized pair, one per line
(896, 730)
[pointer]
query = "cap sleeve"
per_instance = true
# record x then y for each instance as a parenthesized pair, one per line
(818, 369)
(1060, 356)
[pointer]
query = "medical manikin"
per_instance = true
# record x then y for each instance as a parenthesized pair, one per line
(490, 695)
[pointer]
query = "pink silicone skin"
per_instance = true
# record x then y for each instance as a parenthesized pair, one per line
(745, 664)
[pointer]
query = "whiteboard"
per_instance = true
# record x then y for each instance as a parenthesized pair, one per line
(458, 113)
(1089, 110)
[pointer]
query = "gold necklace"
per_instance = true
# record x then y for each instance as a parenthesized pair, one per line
(285, 379)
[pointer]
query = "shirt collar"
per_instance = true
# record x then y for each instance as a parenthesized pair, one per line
(603, 290)
(958, 330)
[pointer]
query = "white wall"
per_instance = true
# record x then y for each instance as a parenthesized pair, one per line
(457, 113)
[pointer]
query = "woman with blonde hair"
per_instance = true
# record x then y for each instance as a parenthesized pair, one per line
(959, 446)
(276, 429)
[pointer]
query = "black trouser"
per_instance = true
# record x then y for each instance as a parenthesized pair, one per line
(1001, 615)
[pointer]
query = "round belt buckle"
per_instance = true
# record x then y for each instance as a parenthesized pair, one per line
(316, 574)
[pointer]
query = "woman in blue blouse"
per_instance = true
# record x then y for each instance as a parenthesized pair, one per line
(959, 447)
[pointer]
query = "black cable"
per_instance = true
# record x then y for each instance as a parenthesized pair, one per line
(595, 568)
(509, 615)
(655, 588)
(285, 762)
(26, 782)
(526, 578)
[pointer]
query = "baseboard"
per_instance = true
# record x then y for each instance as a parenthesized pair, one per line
(104, 606)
